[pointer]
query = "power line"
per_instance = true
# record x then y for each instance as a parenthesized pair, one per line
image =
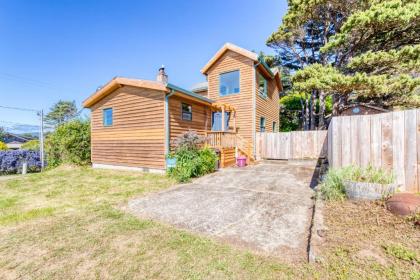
(20, 109)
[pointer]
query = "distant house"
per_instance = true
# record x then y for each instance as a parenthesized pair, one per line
(134, 121)
(13, 141)
(14, 145)
(361, 109)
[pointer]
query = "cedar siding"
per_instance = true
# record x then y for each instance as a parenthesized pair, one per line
(137, 136)
(267, 107)
(242, 101)
(200, 118)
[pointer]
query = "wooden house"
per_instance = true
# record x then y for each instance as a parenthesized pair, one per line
(135, 121)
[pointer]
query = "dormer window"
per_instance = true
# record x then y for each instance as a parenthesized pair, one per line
(229, 83)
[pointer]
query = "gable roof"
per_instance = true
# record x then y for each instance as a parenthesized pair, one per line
(153, 85)
(229, 47)
(251, 55)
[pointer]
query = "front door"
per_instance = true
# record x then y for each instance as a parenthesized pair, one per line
(216, 121)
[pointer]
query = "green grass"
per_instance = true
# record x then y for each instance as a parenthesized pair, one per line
(400, 252)
(68, 223)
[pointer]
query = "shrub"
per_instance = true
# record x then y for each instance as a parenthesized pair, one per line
(3, 146)
(69, 143)
(11, 161)
(332, 186)
(189, 140)
(32, 145)
(191, 160)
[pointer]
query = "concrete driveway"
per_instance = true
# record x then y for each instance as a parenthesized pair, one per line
(266, 208)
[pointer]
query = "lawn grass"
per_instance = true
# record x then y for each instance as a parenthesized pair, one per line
(67, 223)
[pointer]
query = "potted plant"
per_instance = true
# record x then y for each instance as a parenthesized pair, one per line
(368, 183)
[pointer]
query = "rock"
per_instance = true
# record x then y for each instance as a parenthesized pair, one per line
(403, 204)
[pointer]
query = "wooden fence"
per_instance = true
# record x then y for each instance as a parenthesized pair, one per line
(390, 141)
(292, 145)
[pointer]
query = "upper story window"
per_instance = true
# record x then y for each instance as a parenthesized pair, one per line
(274, 127)
(107, 117)
(262, 86)
(262, 124)
(229, 83)
(186, 112)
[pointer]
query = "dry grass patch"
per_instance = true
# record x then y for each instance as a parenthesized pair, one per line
(368, 241)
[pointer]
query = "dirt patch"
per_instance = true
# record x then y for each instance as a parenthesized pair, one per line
(365, 229)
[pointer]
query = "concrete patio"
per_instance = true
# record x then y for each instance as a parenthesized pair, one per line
(265, 208)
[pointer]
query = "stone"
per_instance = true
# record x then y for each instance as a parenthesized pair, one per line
(403, 204)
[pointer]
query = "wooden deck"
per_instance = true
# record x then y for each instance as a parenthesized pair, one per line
(230, 145)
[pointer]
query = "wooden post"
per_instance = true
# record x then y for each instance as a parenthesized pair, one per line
(223, 118)
(234, 121)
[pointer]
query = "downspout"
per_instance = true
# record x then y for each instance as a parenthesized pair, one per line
(167, 130)
(254, 109)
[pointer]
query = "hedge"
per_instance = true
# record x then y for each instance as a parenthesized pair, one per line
(11, 161)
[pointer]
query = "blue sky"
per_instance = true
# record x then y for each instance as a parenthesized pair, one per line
(65, 49)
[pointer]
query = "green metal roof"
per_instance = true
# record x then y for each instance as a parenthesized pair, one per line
(190, 93)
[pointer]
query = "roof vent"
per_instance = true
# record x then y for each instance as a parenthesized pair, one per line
(162, 77)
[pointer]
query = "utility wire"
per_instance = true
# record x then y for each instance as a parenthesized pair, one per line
(19, 108)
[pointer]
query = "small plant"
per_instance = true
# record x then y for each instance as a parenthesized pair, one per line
(3, 146)
(32, 145)
(400, 252)
(332, 186)
(191, 160)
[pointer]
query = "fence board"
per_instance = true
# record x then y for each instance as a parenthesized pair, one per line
(390, 141)
(418, 151)
(398, 146)
(376, 141)
(292, 145)
(345, 141)
(410, 160)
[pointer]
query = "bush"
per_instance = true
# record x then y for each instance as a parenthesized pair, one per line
(191, 160)
(332, 186)
(69, 143)
(11, 161)
(3, 146)
(32, 145)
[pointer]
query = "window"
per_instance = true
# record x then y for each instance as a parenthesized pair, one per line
(186, 112)
(274, 127)
(229, 83)
(107, 117)
(262, 124)
(262, 86)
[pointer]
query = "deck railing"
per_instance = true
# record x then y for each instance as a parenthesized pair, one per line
(224, 139)
(221, 139)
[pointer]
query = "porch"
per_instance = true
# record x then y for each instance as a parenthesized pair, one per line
(224, 136)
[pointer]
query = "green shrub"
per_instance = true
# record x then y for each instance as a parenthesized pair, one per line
(32, 145)
(332, 186)
(69, 143)
(3, 146)
(191, 160)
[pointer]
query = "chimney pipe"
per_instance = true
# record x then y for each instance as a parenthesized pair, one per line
(161, 76)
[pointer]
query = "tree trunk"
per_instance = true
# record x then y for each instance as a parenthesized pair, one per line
(307, 120)
(312, 109)
(321, 114)
(336, 103)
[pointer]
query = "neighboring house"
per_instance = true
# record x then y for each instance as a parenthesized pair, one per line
(361, 109)
(135, 121)
(14, 142)
(14, 145)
